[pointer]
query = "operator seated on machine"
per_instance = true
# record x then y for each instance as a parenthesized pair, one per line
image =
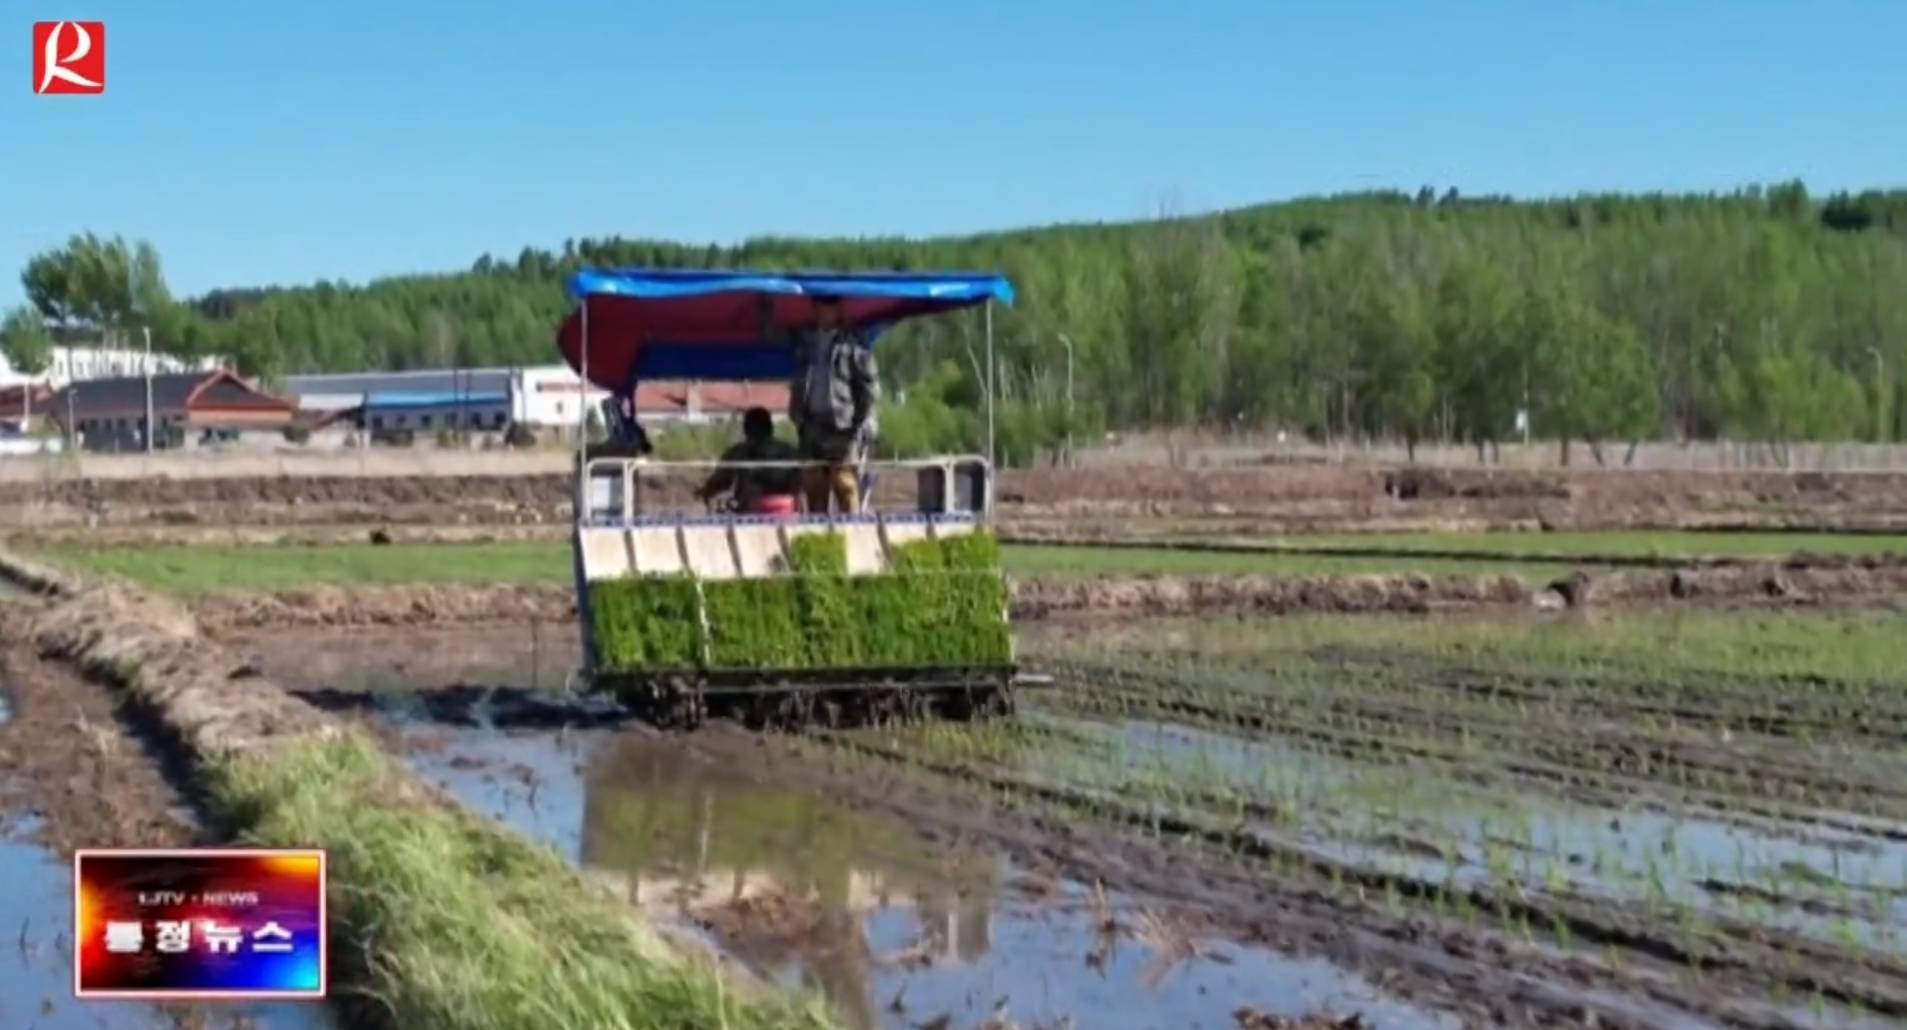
(757, 491)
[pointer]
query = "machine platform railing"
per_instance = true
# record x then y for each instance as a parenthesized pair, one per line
(627, 491)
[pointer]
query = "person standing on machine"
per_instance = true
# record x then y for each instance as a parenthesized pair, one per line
(833, 403)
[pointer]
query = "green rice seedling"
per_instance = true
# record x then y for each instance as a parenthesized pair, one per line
(755, 624)
(1467, 908)
(937, 606)
(1846, 934)
(646, 623)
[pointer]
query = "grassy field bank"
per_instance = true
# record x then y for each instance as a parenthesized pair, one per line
(198, 570)
(464, 925)
(226, 567)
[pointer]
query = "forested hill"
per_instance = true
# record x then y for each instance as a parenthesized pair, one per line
(1762, 313)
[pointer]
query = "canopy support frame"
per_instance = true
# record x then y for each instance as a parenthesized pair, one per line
(993, 459)
(582, 419)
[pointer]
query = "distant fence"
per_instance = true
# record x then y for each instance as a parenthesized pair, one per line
(253, 463)
(1710, 455)
(1183, 452)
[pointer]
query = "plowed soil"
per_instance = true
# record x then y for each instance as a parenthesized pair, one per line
(1285, 499)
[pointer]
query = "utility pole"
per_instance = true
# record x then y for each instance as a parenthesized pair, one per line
(992, 458)
(1068, 341)
(136, 304)
(1527, 417)
(147, 331)
(1882, 395)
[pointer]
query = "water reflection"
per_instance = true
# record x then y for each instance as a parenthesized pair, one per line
(785, 878)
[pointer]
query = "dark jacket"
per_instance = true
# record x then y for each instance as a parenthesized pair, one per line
(752, 483)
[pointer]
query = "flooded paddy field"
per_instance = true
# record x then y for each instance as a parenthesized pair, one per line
(1672, 819)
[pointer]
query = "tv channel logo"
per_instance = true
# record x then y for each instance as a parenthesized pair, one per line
(180, 924)
(69, 57)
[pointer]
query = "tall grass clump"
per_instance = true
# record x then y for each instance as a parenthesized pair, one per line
(457, 923)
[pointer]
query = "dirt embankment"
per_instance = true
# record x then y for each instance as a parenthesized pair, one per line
(418, 605)
(66, 756)
(1310, 499)
(69, 758)
(1850, 583)
(288, 500)
(1261, 499)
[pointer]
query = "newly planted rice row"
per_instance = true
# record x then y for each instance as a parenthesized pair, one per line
(1500, 724)
(1493, 892)
(1737, 818)
(1535, 755)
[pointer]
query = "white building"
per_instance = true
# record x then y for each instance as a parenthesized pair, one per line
(75, 364)
(546, 396)
(550, 395)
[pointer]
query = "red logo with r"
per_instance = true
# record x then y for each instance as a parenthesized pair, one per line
(69, 57)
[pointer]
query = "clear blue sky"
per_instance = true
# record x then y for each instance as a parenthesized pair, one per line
(274, 143)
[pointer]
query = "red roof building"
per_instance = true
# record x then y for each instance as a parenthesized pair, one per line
(110, 414)
(24, 401)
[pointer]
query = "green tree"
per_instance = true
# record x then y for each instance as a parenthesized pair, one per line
(25, 341)
(1750, 314)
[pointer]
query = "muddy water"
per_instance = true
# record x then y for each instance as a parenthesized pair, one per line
(520, 654)
(894, 929)
(36, 964)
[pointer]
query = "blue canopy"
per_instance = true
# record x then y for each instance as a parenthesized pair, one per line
(698, 324)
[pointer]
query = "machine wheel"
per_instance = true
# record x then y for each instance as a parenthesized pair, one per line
(676, 706)
(979, 702)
